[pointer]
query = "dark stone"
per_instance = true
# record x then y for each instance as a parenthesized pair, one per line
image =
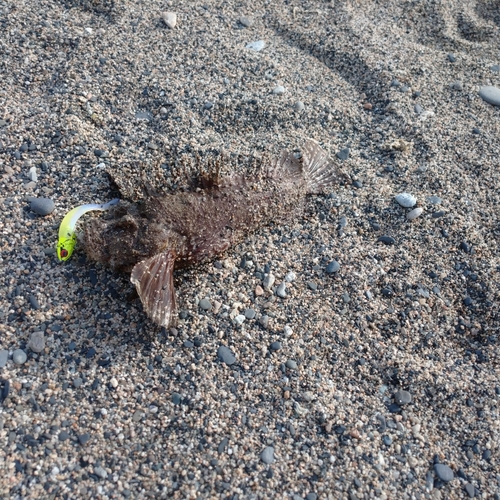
(223, 445)
(84, 438)
(387, 240)
(343, 154)
(225, 355)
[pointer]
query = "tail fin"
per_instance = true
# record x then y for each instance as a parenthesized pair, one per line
(319, 169)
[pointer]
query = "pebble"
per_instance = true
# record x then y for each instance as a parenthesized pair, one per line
(343, 154)
(291, 364)
(32, 176)
(291, 276)
(33, 302)
(84, 438)
(41, 206)
(250, 314)
(387, 240)
(267, 455)
(458, 85)
(275, 346)
(257, 46)
(37, 342)
(176, 398)
(264, 321)
(247, 22)
(416, 212)
(312, 285)
(77, 382)
(100, 472)
(240, 319)
(311, 496)
(434, 200)
(205, 304)
(299, 106)
(279, 90)
(268, 282)
(19, 357)
(281, 290)
(113, 382)
(170, 19)
(402, 398)
(332, 267)
(406, 200)
(225, 355)
(471, 491)
(4, 356)
(495, 68)
(418, 109)
(490, 94)
(444, 472)
(452, 58)
(137, 416)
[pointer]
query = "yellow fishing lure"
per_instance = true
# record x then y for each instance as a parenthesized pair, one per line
(67, 236)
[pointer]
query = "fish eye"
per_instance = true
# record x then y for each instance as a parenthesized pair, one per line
(64, 252)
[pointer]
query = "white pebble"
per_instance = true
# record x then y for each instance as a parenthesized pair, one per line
(257, 46)
(279, 90)
(32, 174)
(114, 382)
(170, 19)
(416, 212)
(291, 276)
(240, 319)
(288, 331)
(406, 200)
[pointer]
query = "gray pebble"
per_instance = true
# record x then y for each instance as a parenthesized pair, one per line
(275, 346)
(137, 415)
(346, 298)
(395, 83)
(19, 357)
(205, 304)
(267, 455)
(225, 355)
(490, 94)
(406, 200)
(176, 398)
(299, 106)
(77, 382)
(208, 105)
(281, 290)
(250, 314)
(63, 436)
(429, 481)
(312, 285)
(279, 90)
(332, 267)
(37, 342)
(84, 438)
(434, 200)
(4, 356)
(311, 496)
(291, 364)
(471, 491)
(264, 321)
(41, 206)
(495, 68)
(418, 109)
(343, 154)
(245, 21)
(144, 115)
(387, 440)
(33, 302)
(240, 319)
(452, 58)
(416, 212)
(223, 445)
(268, 281)
(402, 398)
(100, 472)
(444, 472)
(458, 85)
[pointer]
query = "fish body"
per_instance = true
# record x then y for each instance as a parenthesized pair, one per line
(160, 233)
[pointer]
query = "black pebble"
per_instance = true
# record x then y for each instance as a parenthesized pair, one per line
(91, 353)
(34, 302)
(5, 390)
(386, 240)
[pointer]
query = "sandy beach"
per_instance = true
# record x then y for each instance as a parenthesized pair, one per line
(350, 354)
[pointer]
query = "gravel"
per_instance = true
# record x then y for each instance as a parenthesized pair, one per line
(97, 87)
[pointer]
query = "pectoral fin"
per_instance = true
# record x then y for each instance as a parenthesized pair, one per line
(154, 280)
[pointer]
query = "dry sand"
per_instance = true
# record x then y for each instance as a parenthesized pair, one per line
(112, 407)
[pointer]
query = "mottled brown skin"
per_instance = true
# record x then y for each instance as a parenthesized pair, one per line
(151, 237)
(196, 226)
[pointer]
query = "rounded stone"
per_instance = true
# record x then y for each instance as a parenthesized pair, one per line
(490, 94)
(240, 319)
(279, 90)
(250, 314)
(100, 472)
(78, 382)
(257, 46)
(281, 290)
(268, 281)
(291, 364)
(37, 342)
(267, 455)
(245, 21)
(332, 267)
(19, 357)
(41, 206)
(205, 304)
(275, 346)
(4, 356)
(225, 355)
(299, 106)
(406, 200)
(444, 472)
(416, 212)
(402, 398)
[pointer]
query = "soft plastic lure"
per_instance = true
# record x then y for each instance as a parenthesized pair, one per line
(67, 236)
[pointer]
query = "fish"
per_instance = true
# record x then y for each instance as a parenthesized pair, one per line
(152, 237)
